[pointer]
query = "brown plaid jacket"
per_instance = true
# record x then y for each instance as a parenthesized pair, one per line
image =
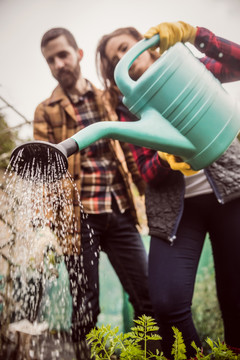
(55, 121)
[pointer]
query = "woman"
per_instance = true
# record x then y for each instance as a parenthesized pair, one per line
(182, 206)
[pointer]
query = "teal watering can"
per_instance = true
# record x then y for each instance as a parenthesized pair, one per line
(182, 110)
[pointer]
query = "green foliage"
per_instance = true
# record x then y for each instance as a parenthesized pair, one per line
(7, 142)
(144, 331)
(178, 348)
(102, 341)
(221, 351)
(106, 343)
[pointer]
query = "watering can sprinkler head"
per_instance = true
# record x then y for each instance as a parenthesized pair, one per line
(41, 160)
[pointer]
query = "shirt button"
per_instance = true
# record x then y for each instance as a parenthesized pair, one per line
(220, 55)
(202, 45)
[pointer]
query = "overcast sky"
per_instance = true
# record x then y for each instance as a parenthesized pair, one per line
(25, 79)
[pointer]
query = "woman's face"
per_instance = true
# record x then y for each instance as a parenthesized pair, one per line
(118, 45)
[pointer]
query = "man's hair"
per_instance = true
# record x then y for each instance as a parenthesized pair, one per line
(55, 33)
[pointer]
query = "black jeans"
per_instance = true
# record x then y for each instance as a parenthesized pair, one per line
(115, 234)
(172, 270)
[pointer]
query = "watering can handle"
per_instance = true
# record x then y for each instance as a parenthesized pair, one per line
(121, 71)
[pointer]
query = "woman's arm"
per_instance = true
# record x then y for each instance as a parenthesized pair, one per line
(151, 168)
(222, 56)
(149, 164)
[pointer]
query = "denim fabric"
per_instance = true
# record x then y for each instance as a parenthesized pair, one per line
(116, 235)
(172, 270)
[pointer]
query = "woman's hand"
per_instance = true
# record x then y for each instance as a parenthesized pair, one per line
(176, 163)
(171, 33)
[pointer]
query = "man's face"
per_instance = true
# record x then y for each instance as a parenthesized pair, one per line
(63, 61)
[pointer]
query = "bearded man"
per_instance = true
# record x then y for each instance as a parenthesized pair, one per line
(103, 174)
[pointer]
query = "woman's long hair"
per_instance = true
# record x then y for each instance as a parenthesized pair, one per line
(105, 69)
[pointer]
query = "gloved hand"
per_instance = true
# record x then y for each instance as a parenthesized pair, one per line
(174, 164)
(170, 33)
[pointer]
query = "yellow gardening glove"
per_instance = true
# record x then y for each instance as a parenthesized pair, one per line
(170, 33)
(174, 164)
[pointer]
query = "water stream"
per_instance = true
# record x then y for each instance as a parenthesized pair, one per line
(36, 211)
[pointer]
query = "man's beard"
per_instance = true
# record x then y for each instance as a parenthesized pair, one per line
(68, 78)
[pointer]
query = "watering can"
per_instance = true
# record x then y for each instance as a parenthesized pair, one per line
(180, 103)
(182, 110)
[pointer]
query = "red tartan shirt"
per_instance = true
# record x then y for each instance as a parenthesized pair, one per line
(223, 60)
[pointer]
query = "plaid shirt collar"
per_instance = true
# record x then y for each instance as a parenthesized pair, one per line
(59, 95)
(75, 98)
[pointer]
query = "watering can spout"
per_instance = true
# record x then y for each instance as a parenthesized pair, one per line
(151, 131)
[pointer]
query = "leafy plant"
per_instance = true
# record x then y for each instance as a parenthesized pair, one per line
(108, 344)
(105, 342)
(219, 351)
(178, 348)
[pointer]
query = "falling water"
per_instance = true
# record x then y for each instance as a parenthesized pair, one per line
(35, 197)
